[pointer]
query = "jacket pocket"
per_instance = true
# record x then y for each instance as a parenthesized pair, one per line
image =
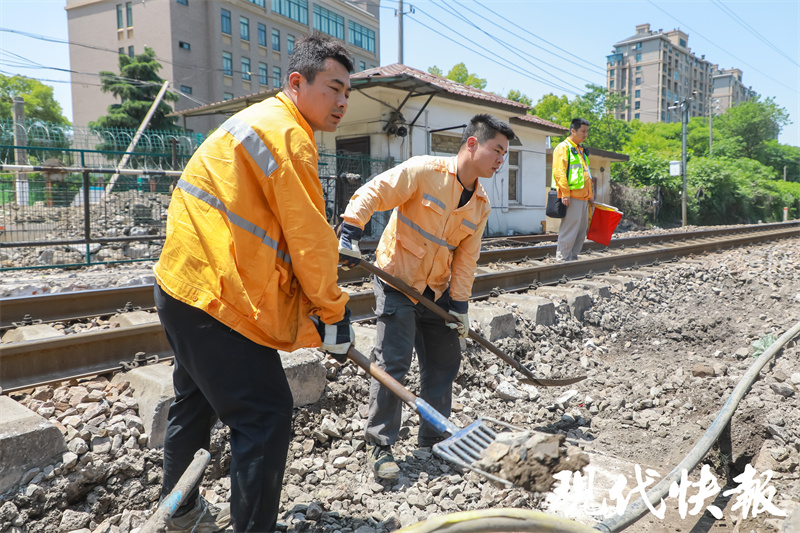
(464, 229)
(433, 203)
(413, 248)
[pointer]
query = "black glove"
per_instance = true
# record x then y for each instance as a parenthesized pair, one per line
(349, 254)
(336, 338)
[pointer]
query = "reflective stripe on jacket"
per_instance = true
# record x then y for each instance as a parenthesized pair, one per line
(247, 237)
(429, 240)
(571, 175)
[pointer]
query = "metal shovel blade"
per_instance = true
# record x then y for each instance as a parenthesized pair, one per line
(465, 446)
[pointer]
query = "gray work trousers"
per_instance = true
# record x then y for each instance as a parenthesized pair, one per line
(572, 231)
(402, 326)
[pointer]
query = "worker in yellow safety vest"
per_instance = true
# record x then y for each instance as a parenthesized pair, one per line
(573, 180)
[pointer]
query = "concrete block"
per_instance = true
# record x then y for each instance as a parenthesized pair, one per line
(540, 310)
(152, 388)
(625, 283)
(26, 441)
(603, 290)
(365, 339)
(306, 374)
(496, 322)
(33, 332)
(133, 318)
(577, 300)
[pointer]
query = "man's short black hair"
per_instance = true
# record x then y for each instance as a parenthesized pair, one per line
(310, 53)
(577, 123)
(485, 127)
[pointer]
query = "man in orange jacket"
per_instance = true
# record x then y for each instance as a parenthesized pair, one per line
(248, 260)
(432, 242)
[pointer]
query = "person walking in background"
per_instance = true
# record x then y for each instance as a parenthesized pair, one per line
(432, 243)
(249, 256)
(573, 180)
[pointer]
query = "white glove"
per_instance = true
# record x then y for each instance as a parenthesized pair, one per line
(462, 325)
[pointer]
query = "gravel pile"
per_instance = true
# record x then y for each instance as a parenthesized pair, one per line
(661, 360)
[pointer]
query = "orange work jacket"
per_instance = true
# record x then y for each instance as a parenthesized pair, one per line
(247, 237)
(429, 240)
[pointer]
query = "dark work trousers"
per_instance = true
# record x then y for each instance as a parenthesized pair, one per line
(219, 372)
(402, 326)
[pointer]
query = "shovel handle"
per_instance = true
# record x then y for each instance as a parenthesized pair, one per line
(427, 302)
(423, 408)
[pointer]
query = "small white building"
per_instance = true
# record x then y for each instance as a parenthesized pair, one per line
(397, 112)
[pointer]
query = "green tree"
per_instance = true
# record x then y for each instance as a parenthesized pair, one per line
(137, 86)
(436, 71)
(517, 96)
(460, 74)
(755, 123)
(39, 101)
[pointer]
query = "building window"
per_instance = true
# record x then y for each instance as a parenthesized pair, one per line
(121, 50)
(361, 36)
(611, 73)
(246, 68)
(276, 39)
(225, 19)
(244, 28)
(227, 63)
(362, 65)
(259, 3)
(262, 35)
(276, 77)
(637, 94)
(611, 84)
(513, 176)
(227, 96)
(129, 13)
(636, 116)
(329, 22)
(682, 42)
(637, 105)
(638, 57)
(290, 44)
(130, 51)
(638, 69)
(184, 45)
(185, 3)
(293, 9)
(638, 81)
(120, 22)
(638, 46)
(262, 74)
(185, 89)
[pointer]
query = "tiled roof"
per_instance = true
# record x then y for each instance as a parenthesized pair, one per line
(541, 122)
(398, 70)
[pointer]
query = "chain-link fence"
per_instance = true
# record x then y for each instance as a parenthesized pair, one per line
(60, 216)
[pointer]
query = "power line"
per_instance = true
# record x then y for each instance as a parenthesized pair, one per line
(795, 89)
(728, 11)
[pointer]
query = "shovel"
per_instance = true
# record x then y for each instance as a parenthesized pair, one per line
(409, 291)
(462, 446)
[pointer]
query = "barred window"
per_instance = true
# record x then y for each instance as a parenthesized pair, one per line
(361, 36)
(328, 22)
(293, 9)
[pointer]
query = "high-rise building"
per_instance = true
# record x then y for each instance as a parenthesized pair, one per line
(654, 69)
(210, 50)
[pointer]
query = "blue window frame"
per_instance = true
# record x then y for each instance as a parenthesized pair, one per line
(262, 74)
(227, 63)
(120, 21)
(130, 51)
(246, 68)
(328, 22)
(259, 3)
(276, 39)
(361, 36)
(129, 13)
(262, 35)
(294, 9)
(184, 3)
(276, 77)
(290, 44)
(225, 20)
(185, 89)
(244, 28)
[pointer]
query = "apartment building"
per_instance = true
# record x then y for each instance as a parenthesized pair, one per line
(210, 50)
(654, 69)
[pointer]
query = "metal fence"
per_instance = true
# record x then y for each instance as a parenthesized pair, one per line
(66, 217)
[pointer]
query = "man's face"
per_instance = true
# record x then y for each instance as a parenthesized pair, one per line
(323, 102)
(580, 134)
(489, 156)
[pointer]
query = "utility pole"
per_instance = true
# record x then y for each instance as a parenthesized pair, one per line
(683, 105)
(400, 33)
(20, 155)
(711, 107)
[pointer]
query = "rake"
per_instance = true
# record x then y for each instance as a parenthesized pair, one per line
(462, 446)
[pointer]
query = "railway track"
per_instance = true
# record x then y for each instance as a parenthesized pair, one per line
(517, 268)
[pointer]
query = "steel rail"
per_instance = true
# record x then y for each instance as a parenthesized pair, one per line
(82, 304)
(25, 364)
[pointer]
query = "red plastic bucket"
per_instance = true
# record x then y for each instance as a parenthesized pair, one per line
(604, 221)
